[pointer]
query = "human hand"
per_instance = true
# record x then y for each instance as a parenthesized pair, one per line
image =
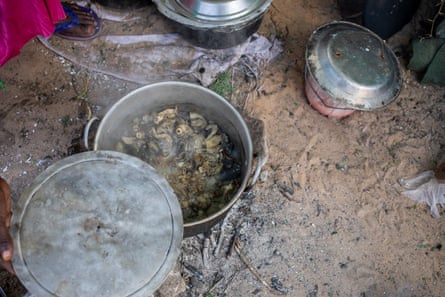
(6, 244)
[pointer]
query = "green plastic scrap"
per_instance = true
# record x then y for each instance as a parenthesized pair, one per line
(222, 85)
(429, 59)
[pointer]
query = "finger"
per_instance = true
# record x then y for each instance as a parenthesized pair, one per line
(5, 202)
(6, 243)
(7, 254)
(6, 250)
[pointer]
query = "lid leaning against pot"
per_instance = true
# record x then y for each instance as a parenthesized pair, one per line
(353, 65)
(96, 224)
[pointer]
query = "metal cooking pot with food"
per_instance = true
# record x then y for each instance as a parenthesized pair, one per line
(215, 24)
(156, 123)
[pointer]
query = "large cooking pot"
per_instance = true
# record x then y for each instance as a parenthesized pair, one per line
(158, 96)
(215, 24)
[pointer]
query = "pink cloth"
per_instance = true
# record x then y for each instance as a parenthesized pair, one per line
(22, 20)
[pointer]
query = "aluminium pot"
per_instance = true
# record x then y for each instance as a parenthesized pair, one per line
(215, 24)
(158, 96)
(348, 68)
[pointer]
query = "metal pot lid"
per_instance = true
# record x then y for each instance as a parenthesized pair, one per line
(353, 65)
(96, 224)
(212, 13)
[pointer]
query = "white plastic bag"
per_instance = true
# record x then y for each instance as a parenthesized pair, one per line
(138, 46)
(425, 188)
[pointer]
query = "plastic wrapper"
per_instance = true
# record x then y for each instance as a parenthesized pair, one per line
(141, 46)
(425, 188)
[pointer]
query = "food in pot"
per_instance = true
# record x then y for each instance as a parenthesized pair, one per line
(191, 151)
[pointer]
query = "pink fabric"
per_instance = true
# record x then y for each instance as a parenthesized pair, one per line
(22, 20)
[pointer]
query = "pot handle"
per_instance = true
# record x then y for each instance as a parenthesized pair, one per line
(86, 131)
(260, 160)
(260, 148)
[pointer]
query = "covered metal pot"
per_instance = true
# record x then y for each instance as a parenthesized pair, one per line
(215, 24)
(349, 68)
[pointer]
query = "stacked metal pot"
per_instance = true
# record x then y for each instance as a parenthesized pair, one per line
(348, 68)
(215, 24)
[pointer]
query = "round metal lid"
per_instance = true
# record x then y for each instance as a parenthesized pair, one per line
(212, 13)
(96, 224)
(353, 65)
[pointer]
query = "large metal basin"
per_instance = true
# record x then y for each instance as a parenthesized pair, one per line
(158, 96)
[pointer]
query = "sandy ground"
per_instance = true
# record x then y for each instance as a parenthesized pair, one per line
(326, 217)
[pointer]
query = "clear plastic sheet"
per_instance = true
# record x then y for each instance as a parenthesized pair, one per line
(425, 188)
(140, 46)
